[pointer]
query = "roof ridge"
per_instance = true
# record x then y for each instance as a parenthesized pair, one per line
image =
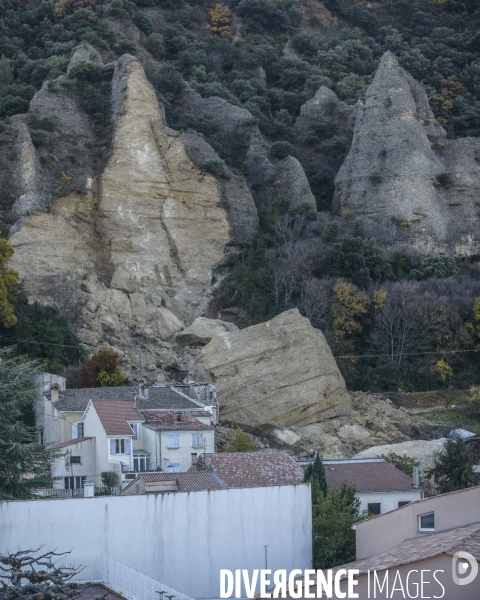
(466, 538)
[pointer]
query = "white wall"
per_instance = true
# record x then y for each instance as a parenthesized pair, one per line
(87, 468)
(388, 500)
(180, 539)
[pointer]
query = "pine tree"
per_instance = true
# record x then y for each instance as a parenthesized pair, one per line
(315, 474)
(453, 469)
(24, 464)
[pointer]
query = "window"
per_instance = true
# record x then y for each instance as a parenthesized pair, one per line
(40, 437)
(75, 459)
(77, 430)
(374, 508)
(141, 462)
(74, 483)
(426, 522)
(197, 439)
(400, 504)
(173, 442)
(120, 446)
(173, 467)
(134, 427)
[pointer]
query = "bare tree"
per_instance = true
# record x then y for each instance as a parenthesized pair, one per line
(65, 294)
(45, 579)
(394, 329)
(315, 299)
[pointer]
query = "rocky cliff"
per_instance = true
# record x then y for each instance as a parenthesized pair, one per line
(403, 177)
(145, 231)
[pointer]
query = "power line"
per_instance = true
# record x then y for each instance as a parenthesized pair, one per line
(406, 354)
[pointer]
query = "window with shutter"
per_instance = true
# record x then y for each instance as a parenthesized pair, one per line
(128, 446)
(74, 431)
(113, 449)
(173, 440)
(80, 430)
(197, 440)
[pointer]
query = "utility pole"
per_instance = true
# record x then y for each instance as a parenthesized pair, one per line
(140, 378)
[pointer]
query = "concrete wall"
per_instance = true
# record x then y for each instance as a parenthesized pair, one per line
(388, 500)
(182, 539)
(451, 510)
(87, 468)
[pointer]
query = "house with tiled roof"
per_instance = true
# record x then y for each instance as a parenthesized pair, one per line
(129, 441)
(252, 469)
(58, 411)
(379, 485)
(399, 552)
(224, 470)
(159, 483)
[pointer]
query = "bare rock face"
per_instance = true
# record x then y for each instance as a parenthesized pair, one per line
(280, 372)
(403, 177)
(86, 53)
(145, 235)
(202, 330)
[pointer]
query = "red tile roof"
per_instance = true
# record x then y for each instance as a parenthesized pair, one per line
(364, 475)
(254, 469)
(115, 415)
(167, 420)
(71, 442)
(194, 481)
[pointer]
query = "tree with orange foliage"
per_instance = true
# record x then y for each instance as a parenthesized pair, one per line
(221, 18)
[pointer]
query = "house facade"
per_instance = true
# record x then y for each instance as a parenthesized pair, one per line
(379, 485)
(116, 436)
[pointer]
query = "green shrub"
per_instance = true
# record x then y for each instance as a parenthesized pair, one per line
(281, 149)
(86, 71)
(444, 179)
(216, 167)
(127, 47)
(156, 46)
(439, 266)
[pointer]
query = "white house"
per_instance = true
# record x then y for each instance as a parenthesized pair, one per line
(58, 410)
(127, 441)
(380, 486)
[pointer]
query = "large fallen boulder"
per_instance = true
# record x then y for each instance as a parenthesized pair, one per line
(281, 372)
(425, 450)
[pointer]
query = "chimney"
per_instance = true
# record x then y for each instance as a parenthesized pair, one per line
(145, 390)
(194, 460)
(416, 471)
(178, 417)
(134, 400)
(55, 388)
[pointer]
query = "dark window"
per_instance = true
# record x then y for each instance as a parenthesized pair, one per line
(75, 459)
(80, 429)
(374, 508)
(74, 483)
(400, 504)
(427, 522)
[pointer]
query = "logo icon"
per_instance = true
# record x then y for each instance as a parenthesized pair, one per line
(461, 561)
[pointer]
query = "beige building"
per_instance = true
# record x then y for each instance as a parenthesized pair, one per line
(426, 549)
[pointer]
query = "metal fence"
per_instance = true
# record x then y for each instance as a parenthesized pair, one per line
(76, 493)
(136, 586)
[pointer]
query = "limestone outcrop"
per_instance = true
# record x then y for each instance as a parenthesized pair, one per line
(271, 180)
(281, 373)
(145, 232)
(403, 177)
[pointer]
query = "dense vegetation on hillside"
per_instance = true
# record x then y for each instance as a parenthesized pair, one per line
(413, 321)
